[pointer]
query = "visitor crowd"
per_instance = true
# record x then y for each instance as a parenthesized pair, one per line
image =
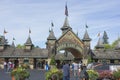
(8, 66)
(77, 70)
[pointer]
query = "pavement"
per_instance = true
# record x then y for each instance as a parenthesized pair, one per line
(34, 75)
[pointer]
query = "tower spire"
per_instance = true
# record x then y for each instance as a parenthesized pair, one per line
(51, 33)
(86, 36)
(99, 44)
(66, 25)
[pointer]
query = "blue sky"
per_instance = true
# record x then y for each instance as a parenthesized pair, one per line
(17, 16)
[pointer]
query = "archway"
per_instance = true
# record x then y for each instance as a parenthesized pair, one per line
(74, 49)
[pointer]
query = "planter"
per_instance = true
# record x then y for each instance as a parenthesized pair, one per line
(54, 74)
(13, 77)
(20, 74)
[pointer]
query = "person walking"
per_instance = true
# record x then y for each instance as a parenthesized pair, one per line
(66, 71)
(83, 74)
(76, 70)
(46, 66)
(5, 66)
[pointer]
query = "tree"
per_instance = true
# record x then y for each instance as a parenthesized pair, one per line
(105, 38)
(20, 46)
(108, 46)
(115, 42)
(52, 62)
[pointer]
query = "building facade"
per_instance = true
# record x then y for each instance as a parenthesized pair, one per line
(72, 46)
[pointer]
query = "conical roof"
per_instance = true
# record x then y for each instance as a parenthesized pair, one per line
(3, 41)
(51, 35)
(99, 44)
(66, 25)
(13, 45)
(29, 41)
(86, 36)
(118, 44)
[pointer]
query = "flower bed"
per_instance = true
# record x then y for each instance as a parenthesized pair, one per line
(105, 74)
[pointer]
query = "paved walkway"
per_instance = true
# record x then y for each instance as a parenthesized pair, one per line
(34, 75)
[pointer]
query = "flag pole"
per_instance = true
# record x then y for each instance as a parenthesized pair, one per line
(29, 32)
(66, 10)
(5, 32)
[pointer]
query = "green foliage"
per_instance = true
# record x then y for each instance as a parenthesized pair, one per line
(54, 72)
(116, 74)
(108, 46)
(20, 46)
(112, 46)
(52, 61)
(93, 75)
(20, 73)
(115, 42)
(89, 59)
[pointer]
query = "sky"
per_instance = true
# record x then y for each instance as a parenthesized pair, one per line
(18, 16)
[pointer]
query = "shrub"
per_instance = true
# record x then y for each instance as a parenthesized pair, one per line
(20, 73)
(93, 75)
(116, 74)
(54, 73)
(52, 61)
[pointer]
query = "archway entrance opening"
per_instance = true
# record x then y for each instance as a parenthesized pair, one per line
(68, 54)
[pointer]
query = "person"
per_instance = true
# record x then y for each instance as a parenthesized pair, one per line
(5, 66)
(83, 74)
(76, 70)
(46, 67)
(66, 71)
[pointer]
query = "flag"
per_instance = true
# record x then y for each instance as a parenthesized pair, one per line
(5, 32)
(86, 26)
(13, 38)
(29, 31)
(52, 24)
(49, 30)
(66, 10)
(98, 34)
(77, 33)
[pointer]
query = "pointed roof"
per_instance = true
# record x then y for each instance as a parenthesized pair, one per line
(13, 45)
(99, 44)
(66, 25)
(86, 36)
(29, 41)
(118, 44)
(69, 30)
(51, 35)
(3, 41)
